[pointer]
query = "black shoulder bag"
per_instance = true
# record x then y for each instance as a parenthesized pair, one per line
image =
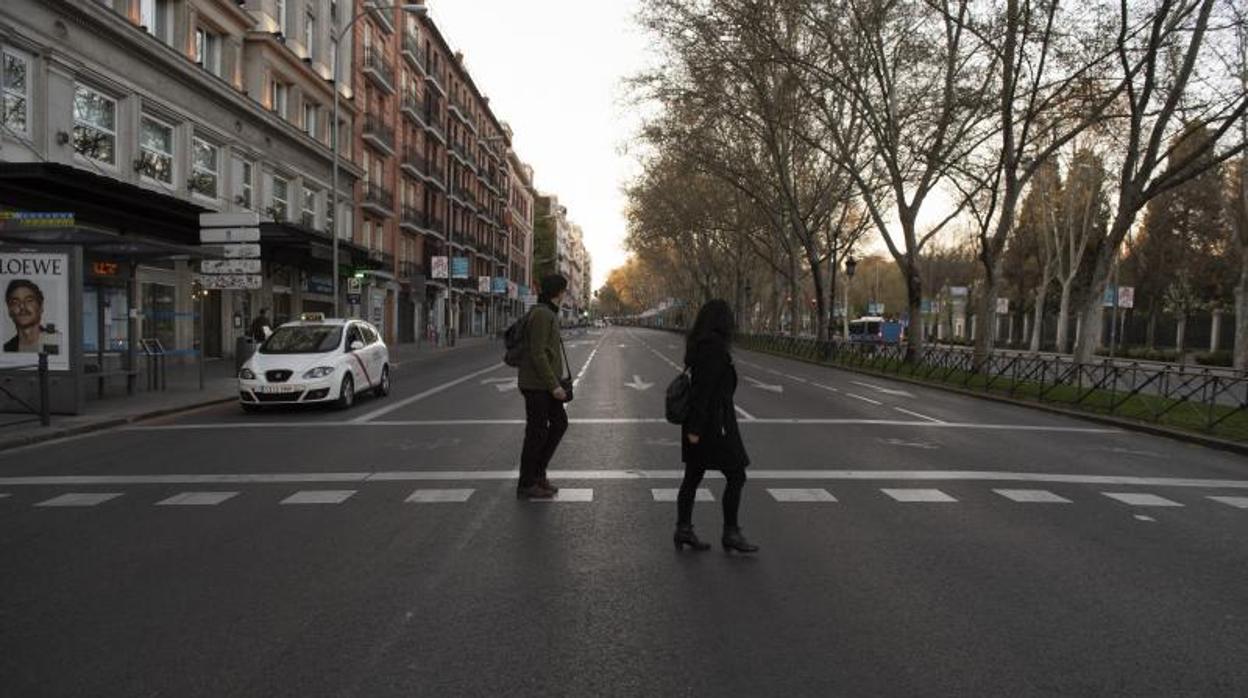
(565, 383)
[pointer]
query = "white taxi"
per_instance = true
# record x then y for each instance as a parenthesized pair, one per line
(315, 361)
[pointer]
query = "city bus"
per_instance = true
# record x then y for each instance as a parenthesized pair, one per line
(875, 330)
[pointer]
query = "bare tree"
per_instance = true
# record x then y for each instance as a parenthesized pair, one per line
(1167, 89)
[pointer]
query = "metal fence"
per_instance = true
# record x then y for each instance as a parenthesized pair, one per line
(1201, 399)
(40, 412)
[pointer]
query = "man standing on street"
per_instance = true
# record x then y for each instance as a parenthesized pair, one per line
(261, 327)
(546, 420)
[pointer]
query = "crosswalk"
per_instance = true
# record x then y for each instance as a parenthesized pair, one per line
(907, 496)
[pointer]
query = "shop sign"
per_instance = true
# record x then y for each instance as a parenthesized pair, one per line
(248, 219)
(27, 220)
(36, 287)
(1003, 306)
(513, 290)
(221, 236)
(245, 250)
(318, 284)
(459, 267)
(483, 284)
(438, 268)
(959, 291)
(104, 268)
(500, 285)
(1126, 297)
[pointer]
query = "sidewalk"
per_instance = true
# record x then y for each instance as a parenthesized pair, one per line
(181, 393)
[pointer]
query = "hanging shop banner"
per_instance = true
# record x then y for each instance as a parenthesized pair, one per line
(500, 285)
(1126, 297)
(513, 290)
(36, 298)
(483, 284)
(459, 268)
(439, 268)
(1003, 306)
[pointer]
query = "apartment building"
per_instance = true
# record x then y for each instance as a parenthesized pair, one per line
(521, 197)
(433, 185)
(136, 116)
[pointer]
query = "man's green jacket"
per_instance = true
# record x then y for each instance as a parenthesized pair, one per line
(542, 365)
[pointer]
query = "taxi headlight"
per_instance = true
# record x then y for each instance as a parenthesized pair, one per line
(247, 374)
(318, 372)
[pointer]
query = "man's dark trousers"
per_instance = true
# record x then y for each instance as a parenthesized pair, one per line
(546, 420)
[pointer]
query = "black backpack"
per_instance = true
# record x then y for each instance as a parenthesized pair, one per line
(514, 340)
(676, 404)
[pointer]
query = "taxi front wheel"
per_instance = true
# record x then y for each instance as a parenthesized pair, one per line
(346, 397)
(383, 387)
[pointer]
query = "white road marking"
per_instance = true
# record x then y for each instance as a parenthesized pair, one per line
(882, 389)
(1140, 499)
(793, 421)
(1033, 496)
(1237, 502)
(502, 385)
(828, 388)
(1141, 517)
(920, 416)
(798, 379)
(918, 495)
(801, 495)
(319, 497)
(745, 415)
(79, 499)
(439, 496)
(638, 384)
(864, 399)
(369, 416)
(769, 387)
(909, 444)
(669, 495)
(3, 495)
(637, 474)
(196, 499)
(588, 361)
(568, 495)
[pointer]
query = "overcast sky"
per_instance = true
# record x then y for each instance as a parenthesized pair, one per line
(553, 69)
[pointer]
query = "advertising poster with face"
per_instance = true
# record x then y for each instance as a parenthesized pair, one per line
(36, 299)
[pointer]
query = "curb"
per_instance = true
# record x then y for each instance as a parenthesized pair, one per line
(103, 424)
(112, 422)
(1129, 424)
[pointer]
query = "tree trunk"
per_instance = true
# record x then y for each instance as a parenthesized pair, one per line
(986, 309)
(1150, 332)
(1063, 317)
(1179, 335)
(914, 296)
(1241, 315)
(821, 318)
(1037, 329)
(1089, 338)
(831, 297)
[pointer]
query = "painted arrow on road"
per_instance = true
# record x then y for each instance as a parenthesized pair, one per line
(639, 384)
(886, 391)
(765, 386)
(502, 385)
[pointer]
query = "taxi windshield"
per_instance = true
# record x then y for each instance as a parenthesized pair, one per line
(303, 339)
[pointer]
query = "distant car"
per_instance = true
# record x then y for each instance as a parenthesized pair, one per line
(315, 361)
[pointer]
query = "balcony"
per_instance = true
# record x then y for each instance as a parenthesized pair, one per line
(377, 68)
(413, 54)
(377, 199)
(437, 175)
(415, 164)
(383, 13)
(379, 134)
(408, 271)
(382, 259)
(438, 80)
(308, 220)
(413, 108)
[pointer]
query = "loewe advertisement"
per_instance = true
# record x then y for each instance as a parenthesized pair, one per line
(36, 300)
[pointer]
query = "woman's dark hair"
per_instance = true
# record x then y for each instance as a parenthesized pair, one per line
(714, 321)
(552, 285)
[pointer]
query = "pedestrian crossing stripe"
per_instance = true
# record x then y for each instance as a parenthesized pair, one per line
(915, 495)
(669, 495)
(1140, 499)
(1033, 496)
(80, 499)
(319, 497)
(197, 499)
(1237, 502)
(569, 495)
(801, 495)
(439, 496)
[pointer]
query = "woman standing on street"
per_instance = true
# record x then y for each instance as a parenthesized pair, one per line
(710, 438)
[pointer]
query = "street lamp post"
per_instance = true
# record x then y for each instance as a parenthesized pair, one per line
(406, 7)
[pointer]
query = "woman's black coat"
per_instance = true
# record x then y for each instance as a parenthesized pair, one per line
(712, 415)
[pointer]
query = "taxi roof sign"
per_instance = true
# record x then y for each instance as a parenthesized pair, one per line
(312, 317)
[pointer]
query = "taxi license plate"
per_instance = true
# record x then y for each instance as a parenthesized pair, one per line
(278, 389)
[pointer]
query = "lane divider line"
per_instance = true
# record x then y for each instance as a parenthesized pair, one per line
(368, 416)
(864, 399)
(920, 416)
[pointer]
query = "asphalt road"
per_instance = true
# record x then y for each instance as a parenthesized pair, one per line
(914, 542)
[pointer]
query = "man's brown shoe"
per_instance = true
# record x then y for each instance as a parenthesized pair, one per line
(546, 484)
(534, 492)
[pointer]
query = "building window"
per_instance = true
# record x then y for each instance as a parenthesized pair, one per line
(246, 191)
(308, 216)
(208, 51)
(154, 15)
(205, 168)
(14, 72)
(281, 16)
(368, 233)
(95, 125)
(281, 198)
(156, 150)
(309, 120)
(278, 95)
(309, 35)
(333, 57)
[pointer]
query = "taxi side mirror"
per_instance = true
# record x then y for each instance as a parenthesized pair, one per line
(356, 345)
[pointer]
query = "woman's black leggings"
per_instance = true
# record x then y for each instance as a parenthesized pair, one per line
(689, 489)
